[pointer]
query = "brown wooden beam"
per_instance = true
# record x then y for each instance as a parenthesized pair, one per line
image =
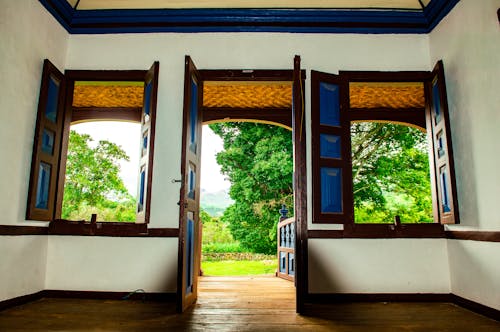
(106, 113)
(415, 116)
(277, 115)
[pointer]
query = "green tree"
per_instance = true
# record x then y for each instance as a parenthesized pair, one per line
(257, 159)
(390, 173)
(93, 184)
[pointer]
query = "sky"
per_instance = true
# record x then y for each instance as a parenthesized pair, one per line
(127, 135)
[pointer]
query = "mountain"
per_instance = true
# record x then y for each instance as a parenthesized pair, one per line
(215, 203)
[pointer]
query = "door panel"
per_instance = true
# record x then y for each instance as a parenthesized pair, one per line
(300, 186)
(189, 203)
(148, 119)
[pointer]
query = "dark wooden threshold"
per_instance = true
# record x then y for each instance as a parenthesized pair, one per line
(328, 298)
(23, 230)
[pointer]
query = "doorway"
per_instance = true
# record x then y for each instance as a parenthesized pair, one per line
(202, 107)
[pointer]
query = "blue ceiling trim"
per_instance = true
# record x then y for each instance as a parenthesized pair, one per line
(248, 20)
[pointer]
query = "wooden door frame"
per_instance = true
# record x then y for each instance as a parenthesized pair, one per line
(297, 117)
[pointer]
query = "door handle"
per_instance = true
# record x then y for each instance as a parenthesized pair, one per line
(176, 181)
(185, 204)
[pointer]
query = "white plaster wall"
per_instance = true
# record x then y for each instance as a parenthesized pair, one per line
(112, 264)
(28, 35)
(468, 41)
(329, 53)
(22, 265)
(378, 266)
(475, 271)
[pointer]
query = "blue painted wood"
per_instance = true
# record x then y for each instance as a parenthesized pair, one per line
(331, 190)
(193, 116)
(43, 186)
(190, 254)
(283, 262)
(140, 203)
(329, 146)
(52, 99)
(436, 102)
(329, 104)
(192, 182)
(249, 20)
(147, 98)
(445, 196)
(48, 141)
(291, 264)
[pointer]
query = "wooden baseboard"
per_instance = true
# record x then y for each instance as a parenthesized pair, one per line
(94, 295)
(100, 295)
(377, 297)
(476, 307)
(404, 297)
(14, 302)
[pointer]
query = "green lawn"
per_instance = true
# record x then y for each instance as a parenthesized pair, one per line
(238, 268)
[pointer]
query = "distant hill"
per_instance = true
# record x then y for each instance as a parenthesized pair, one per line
(215, 203)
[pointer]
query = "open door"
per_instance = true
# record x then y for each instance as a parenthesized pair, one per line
(300, 185)
(189, 203)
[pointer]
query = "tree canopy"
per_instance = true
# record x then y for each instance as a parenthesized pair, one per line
(390, 177)
(257, 158)
(93, 183)
(390, 167)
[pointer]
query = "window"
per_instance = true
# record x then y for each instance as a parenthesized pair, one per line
(56, 112)
(350, 102)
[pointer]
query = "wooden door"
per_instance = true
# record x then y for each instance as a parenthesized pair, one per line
(300, 185)
(189, 203)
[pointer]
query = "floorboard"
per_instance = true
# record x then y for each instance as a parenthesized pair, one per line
(239, 304)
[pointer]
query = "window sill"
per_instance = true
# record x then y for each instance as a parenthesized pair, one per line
(382, 231)
(85, 228)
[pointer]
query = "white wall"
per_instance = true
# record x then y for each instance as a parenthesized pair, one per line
(22, 265)
(468, 41)
(112, 264)
(28, 34)
(378, 266)
(329, 53)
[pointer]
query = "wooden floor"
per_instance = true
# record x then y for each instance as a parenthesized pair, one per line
(239, 304)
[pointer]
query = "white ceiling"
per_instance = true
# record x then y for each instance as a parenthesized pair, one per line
(189, 4)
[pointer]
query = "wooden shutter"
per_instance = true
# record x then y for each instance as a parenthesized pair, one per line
(148, 120)
(42, 192)
(189, 254)
(331, 149)
(441, 154)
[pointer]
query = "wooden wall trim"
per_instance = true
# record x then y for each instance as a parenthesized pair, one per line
(327, 298)
(103, 295)
(112, 229)
(485, 236)
(19, 300)
(15, 230)
(473, 235)
(377, 297)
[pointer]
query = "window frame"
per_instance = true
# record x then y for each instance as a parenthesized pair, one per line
(92, 227)
(418, 117)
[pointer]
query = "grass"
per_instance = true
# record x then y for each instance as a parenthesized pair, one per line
(238, 267)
